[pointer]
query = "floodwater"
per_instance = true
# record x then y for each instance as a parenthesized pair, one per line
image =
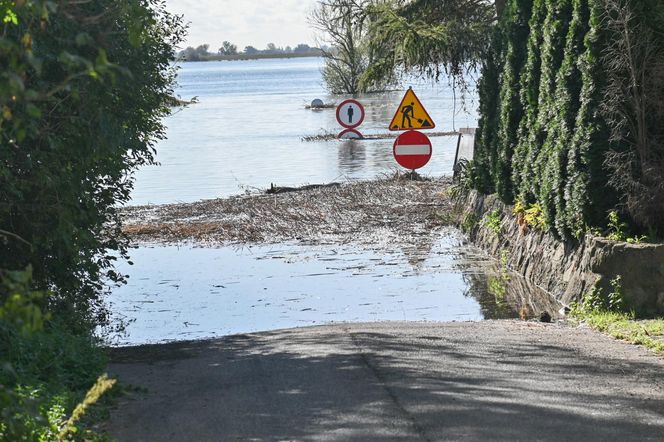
(187, 292)
(246, 132)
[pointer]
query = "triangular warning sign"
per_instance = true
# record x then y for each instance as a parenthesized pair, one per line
(411, 114)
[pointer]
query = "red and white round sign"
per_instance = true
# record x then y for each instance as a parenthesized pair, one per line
(350, 113)
(412, 149)
(350, 134)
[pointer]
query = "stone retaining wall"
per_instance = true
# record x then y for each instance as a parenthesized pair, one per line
(567, 270)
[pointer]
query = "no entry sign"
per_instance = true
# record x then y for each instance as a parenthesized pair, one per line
(412, 149)
(350, 113)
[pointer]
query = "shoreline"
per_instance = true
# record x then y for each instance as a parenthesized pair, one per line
(244, 57)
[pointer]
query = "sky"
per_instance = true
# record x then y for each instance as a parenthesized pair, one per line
(244, 23)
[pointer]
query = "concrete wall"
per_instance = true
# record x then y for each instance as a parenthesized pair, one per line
(569, 269)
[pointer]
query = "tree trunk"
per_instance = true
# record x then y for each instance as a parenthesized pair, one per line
(500, 7)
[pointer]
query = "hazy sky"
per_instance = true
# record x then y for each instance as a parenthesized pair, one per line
(250, 22)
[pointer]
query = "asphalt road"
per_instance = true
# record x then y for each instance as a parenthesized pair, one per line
(492, 380)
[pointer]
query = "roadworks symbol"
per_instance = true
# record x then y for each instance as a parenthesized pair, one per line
(411, 114)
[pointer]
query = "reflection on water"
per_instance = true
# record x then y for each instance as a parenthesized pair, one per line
(177, 293)
(501, 293)
(246, 132)
(352, 157)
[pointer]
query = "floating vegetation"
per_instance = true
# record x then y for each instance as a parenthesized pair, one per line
(328, 136)
(395, 208)
(323, 106)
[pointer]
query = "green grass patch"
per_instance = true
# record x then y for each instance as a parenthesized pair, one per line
(49, 375)
(608, 314)
(646, 332)
(46, 380)
(493, 221)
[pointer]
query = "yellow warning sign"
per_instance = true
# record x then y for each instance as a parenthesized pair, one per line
(411, 114)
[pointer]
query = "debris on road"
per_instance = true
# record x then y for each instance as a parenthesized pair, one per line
(370, 212)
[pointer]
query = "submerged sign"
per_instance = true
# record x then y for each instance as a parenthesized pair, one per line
(411, 114)
(350, 114)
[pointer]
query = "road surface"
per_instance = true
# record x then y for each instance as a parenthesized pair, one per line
(491, 380)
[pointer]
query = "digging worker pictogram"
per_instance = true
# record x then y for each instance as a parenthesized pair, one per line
(407, 112)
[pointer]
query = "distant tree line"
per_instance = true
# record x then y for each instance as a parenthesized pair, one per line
(202, 52)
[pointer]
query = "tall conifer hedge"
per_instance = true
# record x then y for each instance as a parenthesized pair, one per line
(543, 135)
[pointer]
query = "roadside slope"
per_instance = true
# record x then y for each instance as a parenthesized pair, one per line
(493, 380)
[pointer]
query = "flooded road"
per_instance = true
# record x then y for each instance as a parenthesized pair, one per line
(188, 292)
(246, 132)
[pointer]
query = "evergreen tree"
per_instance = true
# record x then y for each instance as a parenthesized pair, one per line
(516, 31)
(522, 171)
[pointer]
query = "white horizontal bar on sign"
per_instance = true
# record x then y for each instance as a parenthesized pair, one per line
(413, 149)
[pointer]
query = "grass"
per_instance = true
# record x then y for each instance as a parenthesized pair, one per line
(45, 373)
(609, 314)
(623, 326)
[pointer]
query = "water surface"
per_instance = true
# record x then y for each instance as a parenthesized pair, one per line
(190, 292)
(244, 134)
(246, 131)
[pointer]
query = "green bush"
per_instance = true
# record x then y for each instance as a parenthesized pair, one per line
(83, 90)
(522, 172)
(516, 30)
(530, 215)
(586, 191)
(555, 30)
(560, 129)
(84, 86)
(485, 147)
(45, 369)
(493, 221)
(596, 302)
